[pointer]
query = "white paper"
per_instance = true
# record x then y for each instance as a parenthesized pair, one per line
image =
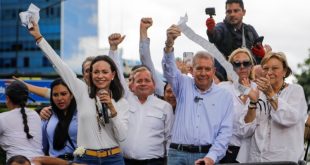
(211, 48)
(32, 14)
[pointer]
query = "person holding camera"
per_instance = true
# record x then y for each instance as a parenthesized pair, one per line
(233, 33)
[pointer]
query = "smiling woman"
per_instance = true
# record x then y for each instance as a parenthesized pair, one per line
(99, 140)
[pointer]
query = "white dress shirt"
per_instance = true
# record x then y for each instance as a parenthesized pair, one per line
(149, 128)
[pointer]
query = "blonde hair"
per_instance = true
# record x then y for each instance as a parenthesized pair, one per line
(241, 50)
(279, 56)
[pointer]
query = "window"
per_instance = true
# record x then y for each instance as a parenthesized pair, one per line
(26, 62)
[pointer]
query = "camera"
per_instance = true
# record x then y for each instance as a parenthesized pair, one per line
(210, 11)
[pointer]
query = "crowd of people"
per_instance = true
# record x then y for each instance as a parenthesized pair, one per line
(197, 116)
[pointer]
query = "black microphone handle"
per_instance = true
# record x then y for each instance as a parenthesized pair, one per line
(105, 113)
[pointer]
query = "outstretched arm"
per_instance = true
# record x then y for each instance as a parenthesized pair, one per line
(145, 55)
(61, 67)
(171, 72)
(40, 91)
(114, 40)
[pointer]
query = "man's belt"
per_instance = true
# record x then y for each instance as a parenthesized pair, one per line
(103, 153)
(191, 148)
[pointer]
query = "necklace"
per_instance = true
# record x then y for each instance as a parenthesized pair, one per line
(282, 87)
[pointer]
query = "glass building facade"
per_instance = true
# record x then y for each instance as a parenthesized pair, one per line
(19, 54)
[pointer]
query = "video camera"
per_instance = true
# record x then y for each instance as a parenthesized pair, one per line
(210, 11)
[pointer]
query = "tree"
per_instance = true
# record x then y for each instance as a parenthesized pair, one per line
(304, 77)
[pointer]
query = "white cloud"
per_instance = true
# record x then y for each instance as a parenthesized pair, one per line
(88, 46)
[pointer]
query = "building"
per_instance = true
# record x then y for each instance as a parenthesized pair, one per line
(19, 55)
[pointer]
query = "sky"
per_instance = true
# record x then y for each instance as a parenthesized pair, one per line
(284, 24)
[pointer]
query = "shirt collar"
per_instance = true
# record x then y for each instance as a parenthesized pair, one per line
(206, 91)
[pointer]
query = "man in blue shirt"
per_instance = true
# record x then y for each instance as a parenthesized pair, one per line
(203, 121)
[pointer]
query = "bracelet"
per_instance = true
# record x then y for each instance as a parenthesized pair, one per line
(252, 107)
(169, 44)
(38, 38)
(252, 102)
(273, 98)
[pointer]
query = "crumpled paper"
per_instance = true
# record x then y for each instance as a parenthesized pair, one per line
(32, 14)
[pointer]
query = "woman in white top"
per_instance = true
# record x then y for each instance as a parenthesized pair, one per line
(275, 122)
(20, 127)
(98, 141)
(242, 62)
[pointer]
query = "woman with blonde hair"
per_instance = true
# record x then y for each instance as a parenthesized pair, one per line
(242, 62)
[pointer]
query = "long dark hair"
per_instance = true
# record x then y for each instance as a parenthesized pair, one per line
(115, 87)
(61, 134)
(18, 94)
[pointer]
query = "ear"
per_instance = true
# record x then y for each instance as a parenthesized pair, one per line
(191, 70)
(113, 75)
(244, 11)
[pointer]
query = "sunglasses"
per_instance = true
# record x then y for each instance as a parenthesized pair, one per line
(245, 64)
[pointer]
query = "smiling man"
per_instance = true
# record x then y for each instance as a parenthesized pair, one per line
(203, 115)
(227, 35)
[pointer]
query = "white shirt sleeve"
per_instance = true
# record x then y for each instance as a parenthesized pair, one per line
(292, 106)
(120, 121)
(62, 69)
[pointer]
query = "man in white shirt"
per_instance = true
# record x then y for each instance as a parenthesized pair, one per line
(150, 122)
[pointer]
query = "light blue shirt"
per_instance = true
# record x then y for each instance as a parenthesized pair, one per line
(207, 121)
(48, 135)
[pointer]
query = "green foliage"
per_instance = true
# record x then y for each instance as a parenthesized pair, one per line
(304, 77)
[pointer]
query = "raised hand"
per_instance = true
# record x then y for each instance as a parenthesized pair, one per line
(35, 32)
(172, 33)
(145, 23)
(115, 39)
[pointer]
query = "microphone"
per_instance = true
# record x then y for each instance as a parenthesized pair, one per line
(197, 98)
(104, 110)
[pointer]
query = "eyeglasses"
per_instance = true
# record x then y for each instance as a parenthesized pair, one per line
(245, 64)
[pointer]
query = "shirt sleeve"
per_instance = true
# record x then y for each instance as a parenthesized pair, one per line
(216, 36)
(168, 125)
(145, 58)
(65, 72)
(116, 58)
(220, 144)
(120, 121)
(291, 110)
(172, 74)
